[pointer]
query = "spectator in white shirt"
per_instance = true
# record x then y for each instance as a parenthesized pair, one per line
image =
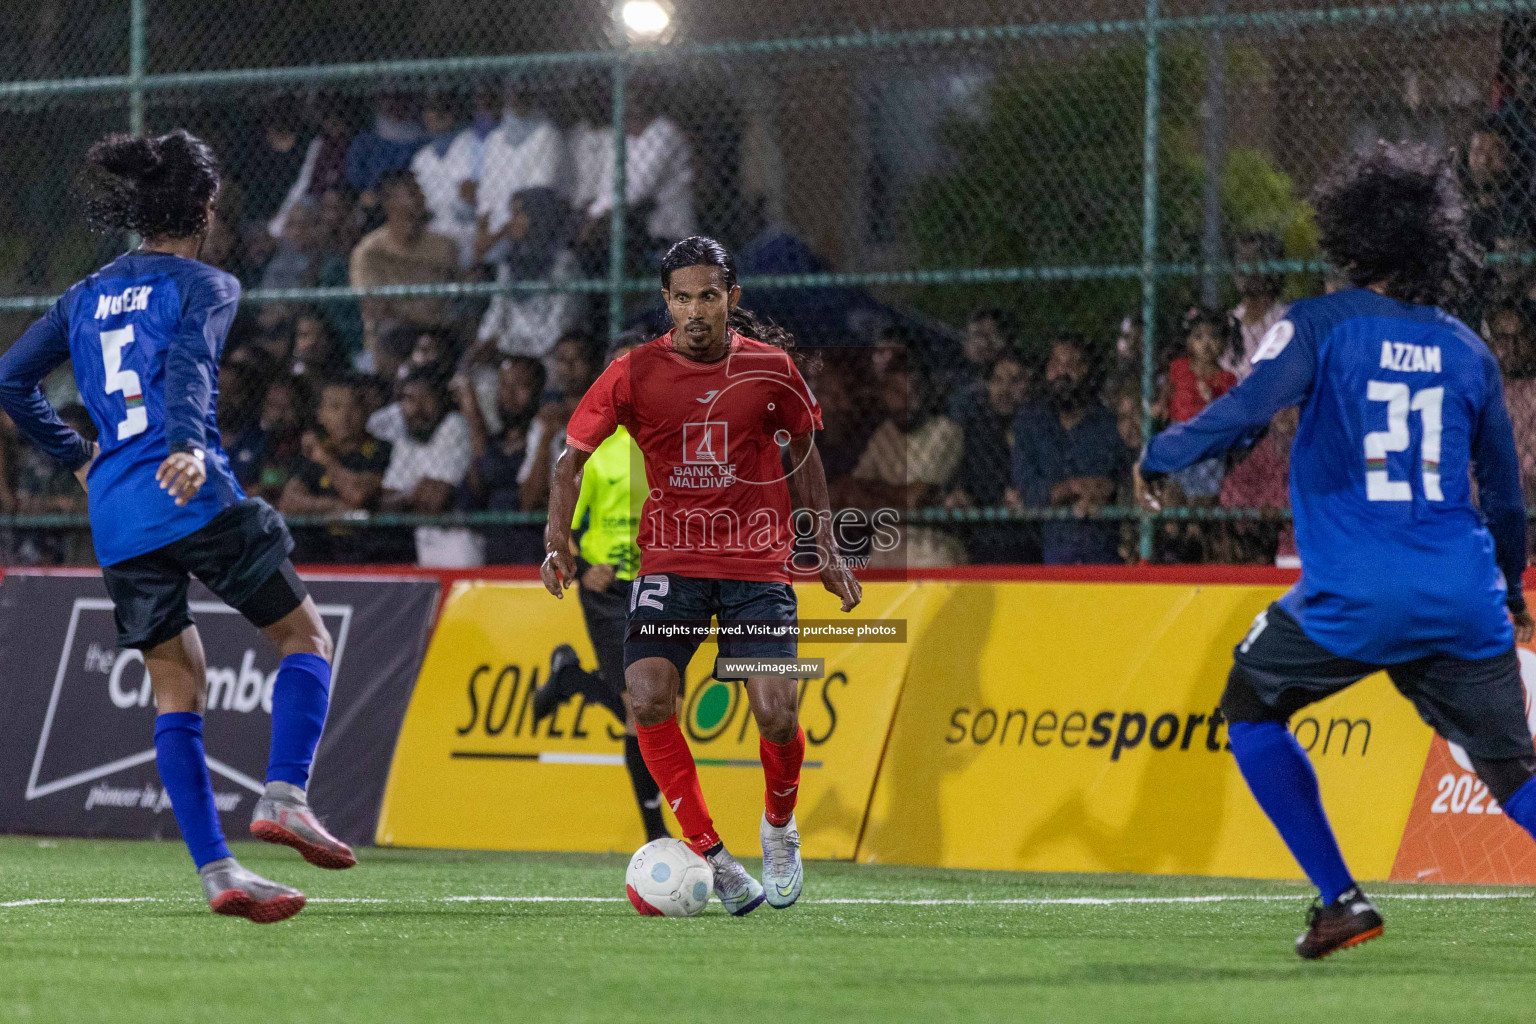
(525, 151)
(429, 461)
(533, 245)
(1261, 307)
(440, 171)
(658, 178)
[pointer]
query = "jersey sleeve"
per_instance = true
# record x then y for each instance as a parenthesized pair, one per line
(40, 349)
(192, 359)
(1284, 366)
(1496, 463)
(601, 409)
(800, 413)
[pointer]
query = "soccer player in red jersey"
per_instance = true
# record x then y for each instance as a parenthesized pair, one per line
(712, 405)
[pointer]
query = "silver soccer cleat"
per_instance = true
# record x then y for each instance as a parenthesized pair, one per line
(738, 891)
(783, 873)
(283, 817)
(236, 892)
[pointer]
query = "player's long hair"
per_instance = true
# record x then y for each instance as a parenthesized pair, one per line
(699, 251)
(1394, 214)
(158, 186)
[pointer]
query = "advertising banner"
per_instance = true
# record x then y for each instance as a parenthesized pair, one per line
(1074, 727)
(77, 751)
(1456, 831)
(473, 769)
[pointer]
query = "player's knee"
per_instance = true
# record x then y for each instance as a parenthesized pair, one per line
(1240, 701)
(777, 723)
(651, 694)
(652, 707)
(1505, 775)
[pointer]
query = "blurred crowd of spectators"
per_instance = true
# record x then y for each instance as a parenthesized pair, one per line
(450, 404)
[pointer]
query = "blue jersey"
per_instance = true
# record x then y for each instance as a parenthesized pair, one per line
(1400, 405)
(144, 334)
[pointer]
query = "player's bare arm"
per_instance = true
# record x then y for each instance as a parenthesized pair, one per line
(559, 568)
(809, 482)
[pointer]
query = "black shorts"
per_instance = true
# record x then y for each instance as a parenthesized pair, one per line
(241, 555)
(1478, 705)
(667, 597)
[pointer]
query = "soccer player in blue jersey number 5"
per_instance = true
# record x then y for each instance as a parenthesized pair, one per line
(1401, 405)
(144, 334)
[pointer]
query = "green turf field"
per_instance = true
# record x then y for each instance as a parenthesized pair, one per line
(395, 947)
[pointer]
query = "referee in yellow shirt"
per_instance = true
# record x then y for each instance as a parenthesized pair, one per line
(612, 494)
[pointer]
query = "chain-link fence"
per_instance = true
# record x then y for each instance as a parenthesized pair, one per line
(1009, 238)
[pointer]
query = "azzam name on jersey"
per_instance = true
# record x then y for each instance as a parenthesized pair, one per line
(1396, 355)
(130, 300)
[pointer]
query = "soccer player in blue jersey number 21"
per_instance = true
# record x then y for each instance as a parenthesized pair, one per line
(1400, 405)
(144, 334)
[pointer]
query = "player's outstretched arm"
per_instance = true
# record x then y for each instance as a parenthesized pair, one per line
(809, 482)
(41, 348)
(559, 568)
(1283, 369)
(1496, 464)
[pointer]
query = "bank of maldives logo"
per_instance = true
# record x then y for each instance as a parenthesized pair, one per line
(706, 443)
(100, 717)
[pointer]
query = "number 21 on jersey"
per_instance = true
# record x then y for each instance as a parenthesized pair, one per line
(1379, 486)
(126, 381)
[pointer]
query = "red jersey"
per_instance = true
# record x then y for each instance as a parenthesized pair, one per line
(718, 502)
(1185, 402)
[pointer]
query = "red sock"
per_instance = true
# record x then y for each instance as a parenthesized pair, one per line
(781, 770)
(667, 755)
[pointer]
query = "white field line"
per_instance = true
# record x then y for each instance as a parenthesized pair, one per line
(1042, 901)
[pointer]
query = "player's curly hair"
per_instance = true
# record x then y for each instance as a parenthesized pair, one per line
(158, 186)
(698, 251)
(1394, 215)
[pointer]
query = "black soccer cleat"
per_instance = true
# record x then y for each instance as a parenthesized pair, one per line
(1347, 921)
(560, 686)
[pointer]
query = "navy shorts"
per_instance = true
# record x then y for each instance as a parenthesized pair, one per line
(1478, 705)
(669, 598)
(241, 555)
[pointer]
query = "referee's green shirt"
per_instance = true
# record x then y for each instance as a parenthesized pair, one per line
(613, 492)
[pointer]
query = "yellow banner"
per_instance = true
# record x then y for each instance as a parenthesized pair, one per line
(472, 770)
(1074, 727)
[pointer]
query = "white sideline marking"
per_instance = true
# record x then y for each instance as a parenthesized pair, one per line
(1033, 901)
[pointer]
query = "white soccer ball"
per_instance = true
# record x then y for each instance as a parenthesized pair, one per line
(667, 879)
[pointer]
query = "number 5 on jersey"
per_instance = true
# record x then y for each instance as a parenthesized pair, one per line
(1379, 486)
(126, 381)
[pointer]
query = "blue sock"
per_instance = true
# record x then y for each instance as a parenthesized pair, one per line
(1521, 806)
(300, 696)
(184, 773)
(1284, 784)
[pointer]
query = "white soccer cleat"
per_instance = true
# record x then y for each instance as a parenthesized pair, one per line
(783, 873)
(236, 892)
(739, 892)
(283, 817)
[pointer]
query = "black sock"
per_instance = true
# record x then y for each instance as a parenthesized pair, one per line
(647, 793)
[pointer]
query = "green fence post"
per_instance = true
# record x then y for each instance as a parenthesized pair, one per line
(1149, 252)
(137, 60)
(616, 215)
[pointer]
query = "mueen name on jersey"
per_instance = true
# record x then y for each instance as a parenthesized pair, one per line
(1395, 355)
(131, 300)
(701, 476)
